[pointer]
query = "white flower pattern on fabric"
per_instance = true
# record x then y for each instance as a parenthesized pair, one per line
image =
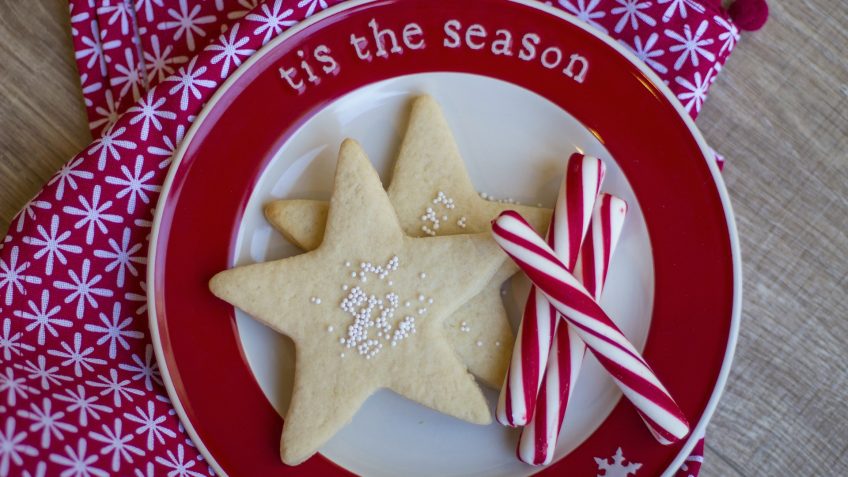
(95, 49)
(273, 20)
(696, 91)
(231, 50)
(188, 81)
(632, 11)
(83, 288)
(136, 184)
(93, 214)
(15, 387)
(117, 443)
(85, 405)
(120, 12)
(108, 115)
(585, 11)
(147, 6)
(151, 424)
(40, 371)
(129, 75)
(88, 88)
(691, 46)
(11, 344)
(68, 174)
(53, 245)
(646, 51)
(76, 356)
(28, 212)
(13, 277)
(115, 330)
(680, 7)
(108, 145)
(123, 257)
(13, 447)
(170, 147)
(43, 317)
(119, 389)
(149, 113)
(48, 422)
(312, 5)
(159, 61)
(180, 466)
(77, 18)
(148, 370)
(186, 23)
(728, 37)
(76, 461)
(138, 298)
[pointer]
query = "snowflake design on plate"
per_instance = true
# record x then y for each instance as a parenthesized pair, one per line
(616, 466)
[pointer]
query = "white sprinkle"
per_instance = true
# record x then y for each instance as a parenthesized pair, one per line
(430, 301)
(497, 343)
(330, 329)
(479, 343)
(407, 303)
(353, 274)
(345, 287)
(341, 355)
(421, 297)
(391, 283)
(422, 275)
(347, 264)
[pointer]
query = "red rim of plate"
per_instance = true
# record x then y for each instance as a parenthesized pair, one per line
(687, 210)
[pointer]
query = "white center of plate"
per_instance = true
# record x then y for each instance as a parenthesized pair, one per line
(515, 145)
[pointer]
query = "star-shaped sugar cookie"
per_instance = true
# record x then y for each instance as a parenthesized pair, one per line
(434, 196)
(366, 310)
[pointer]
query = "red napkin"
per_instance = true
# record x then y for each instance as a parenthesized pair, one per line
(80, 390)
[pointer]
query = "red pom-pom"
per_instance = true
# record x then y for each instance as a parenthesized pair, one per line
(749, 15)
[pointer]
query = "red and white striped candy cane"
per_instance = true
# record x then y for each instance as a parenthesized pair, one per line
(614, 352)
(538, 439)
(572, 213)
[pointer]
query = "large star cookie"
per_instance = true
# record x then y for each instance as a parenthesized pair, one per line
(433, 195)
(366, 310)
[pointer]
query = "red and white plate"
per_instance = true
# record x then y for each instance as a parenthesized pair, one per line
(273, 132)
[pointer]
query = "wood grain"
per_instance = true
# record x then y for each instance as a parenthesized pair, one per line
(778, 112)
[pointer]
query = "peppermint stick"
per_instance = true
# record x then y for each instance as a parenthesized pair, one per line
(615, 353)
(538, 439)
(571, 216)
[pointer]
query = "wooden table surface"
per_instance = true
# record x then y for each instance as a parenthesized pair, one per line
(778, 112)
